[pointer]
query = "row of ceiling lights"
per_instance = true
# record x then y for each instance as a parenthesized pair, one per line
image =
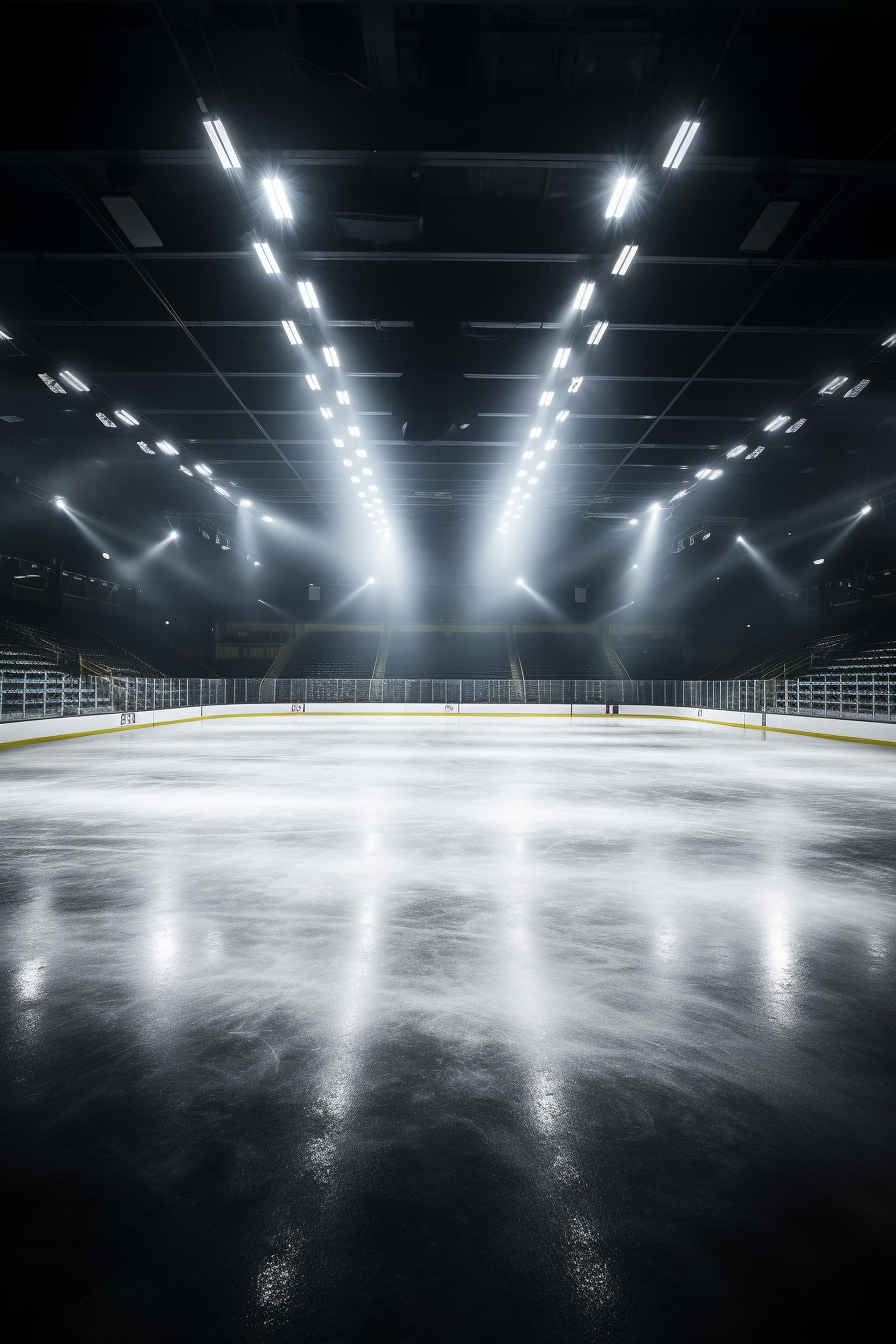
(619, 199)
(621, 195)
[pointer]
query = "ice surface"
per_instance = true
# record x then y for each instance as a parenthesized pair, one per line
(448, 1030)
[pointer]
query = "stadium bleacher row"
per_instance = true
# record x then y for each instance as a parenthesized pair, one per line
(34, 639)
(863, 645)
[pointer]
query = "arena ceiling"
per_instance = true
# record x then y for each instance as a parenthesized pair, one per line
(448, 168)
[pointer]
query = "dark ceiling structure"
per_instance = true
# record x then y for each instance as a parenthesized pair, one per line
(449, 171)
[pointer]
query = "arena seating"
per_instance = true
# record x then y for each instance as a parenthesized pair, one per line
(436, 653)
(334, 653)
(552, 657)
(864, 645)
(38, 639)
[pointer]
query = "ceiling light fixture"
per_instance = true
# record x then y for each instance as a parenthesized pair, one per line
(535, 432)
(625, 259)
(832, 386)
(755, 453)
(311, 380)
(561, 416)
(859, 387)
(326, 412)
(267, 258)
(778, 421)
(681, 144)
(246, 503)
(74, 381)
(331, 356)
(221, 141)
(127, 418)
(292, 332)
(104, 420)
(343, 399)
(797, 424)
(550, 445)
(146, 448)
(164, 446)
(561, 357)
(575, 384)
(51, 383)
(546, 398)
(202, 469)
(622, 194)
(186, 470)
(583, 298)
(736, 452)
(356, 434)
(306, 290)
(277, 197)
(221, 491)
(340, 443)
(699, 475)
(597, 333)
(266, 518)
(714, 475)
(866, 508)
(890, 341)
(818, 562)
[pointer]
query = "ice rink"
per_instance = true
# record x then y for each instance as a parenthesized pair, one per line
(465, 1030)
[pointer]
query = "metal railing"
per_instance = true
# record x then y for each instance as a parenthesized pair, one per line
(46, 695)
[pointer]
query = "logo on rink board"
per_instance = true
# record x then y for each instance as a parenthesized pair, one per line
(127, 720)
(451, 709)
(298, 708)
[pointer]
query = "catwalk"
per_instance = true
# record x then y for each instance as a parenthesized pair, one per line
(462, 1030)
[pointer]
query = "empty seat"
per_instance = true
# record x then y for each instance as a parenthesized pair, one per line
(547, 657)
(436, 654)
(334, 653)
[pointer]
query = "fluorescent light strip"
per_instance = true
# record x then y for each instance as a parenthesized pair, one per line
(267, 258)
(561, 416)
(535, 432)
(575, 384)
(331, 356)
(681, 144)
(561, 357)
(127, 418)
(625, 259)
(546, 398)
(326, 412)
(778, 421)
(598, 331)
(583, 298)
(622, 194)
(311, 380)
(221, 141)
(832, 386)
(75, 382)
(202, 469)
(356, 434)
(164, 446)
(736, 452)
(309, 298)
(292, 332)
(277, 197)
(342, 398)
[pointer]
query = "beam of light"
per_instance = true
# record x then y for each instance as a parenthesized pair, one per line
(771, 572)
(542, 601)
(350, 597)
(94, 538)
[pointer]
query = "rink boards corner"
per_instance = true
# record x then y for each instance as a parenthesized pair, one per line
(22, 733)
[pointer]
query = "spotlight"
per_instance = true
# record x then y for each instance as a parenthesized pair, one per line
(172, 536)
(59, 502)
(371, 580)
(740, 538)
(654, 506)
(257, 562)
(634, 566)
(633, 522)
(519, 581)
(105, 555)
(866, 508)
(818, 562)
(266, 518)
(247, 503)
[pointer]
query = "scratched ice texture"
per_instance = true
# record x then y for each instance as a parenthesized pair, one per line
(466, 1030)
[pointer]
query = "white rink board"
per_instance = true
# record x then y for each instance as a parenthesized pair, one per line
(45, 730)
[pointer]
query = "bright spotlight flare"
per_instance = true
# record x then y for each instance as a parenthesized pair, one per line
(277, 197)
(583, 297)
(681, 144)
(622, 194)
